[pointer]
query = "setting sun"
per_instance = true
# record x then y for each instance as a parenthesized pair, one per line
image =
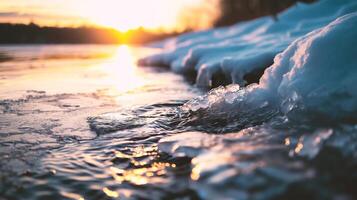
(119, 14)
(136, 13)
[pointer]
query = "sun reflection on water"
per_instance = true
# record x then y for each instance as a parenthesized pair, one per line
(145, 171)
(122, 70)
(110, 193)
(75, 69)
(73, 196)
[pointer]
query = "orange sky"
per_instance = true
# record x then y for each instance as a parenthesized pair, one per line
(120, 14)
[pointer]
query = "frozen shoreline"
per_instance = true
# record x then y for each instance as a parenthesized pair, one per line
(246, 47)
(307, 54)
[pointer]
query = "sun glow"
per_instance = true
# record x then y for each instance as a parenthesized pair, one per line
(119, 14)
(124, 15)
(122, 70)
(129, 14)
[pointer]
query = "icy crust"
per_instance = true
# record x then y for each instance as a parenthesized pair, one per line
(312, 80)
(245, 48)
(265, 163)
(227, 109)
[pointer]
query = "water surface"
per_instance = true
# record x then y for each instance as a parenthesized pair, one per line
(84, 122)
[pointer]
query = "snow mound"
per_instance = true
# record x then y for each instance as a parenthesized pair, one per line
(318, 72)
(312, 80)
(247, 48)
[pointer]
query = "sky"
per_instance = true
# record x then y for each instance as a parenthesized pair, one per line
(119, 14)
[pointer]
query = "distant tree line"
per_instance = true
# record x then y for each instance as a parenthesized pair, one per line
(34, 34)
(233, 11)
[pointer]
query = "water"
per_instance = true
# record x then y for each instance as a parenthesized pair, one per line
(84, 122)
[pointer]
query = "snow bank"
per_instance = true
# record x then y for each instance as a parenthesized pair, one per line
(312, 80)
(318, 72)
(245, 48)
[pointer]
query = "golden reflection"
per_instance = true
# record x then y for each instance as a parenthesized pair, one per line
(287, 141)
(145, 151)
(144, 174)
(299, 147)
(72, 195)
(110, 193)
(122, 70)
(195, 173)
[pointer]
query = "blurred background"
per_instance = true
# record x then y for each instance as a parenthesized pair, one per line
(122, 21)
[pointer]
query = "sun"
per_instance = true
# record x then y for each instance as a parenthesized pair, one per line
(126, 15)
(170, 15)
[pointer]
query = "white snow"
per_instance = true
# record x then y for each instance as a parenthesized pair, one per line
(245, 47)
(314, 79)
(318, 73)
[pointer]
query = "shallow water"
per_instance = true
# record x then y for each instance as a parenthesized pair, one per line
(84, 122)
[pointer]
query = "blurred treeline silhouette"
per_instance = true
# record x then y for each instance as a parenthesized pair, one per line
(34, 34)
(233, 11)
